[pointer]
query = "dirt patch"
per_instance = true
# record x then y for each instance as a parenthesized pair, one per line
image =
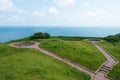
(20, 44)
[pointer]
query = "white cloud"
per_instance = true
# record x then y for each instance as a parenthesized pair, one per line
(49, 10)
(90, 14)
(2, 17)
(87, 4)
(64, 2)
(53, 10)
(101, 11)
(38, 14)
(103, 15)
(8, 6)
(15, 18)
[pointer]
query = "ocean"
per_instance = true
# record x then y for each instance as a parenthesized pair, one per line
(13, 33)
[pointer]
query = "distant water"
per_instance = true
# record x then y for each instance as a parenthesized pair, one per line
(12, 33)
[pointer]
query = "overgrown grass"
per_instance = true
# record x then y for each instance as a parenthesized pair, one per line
(70, 38)
(30, 64)
(82, 52)
(114, 49)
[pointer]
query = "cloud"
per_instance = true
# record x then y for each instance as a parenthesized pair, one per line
(38, 14)
(90, 14)
(53, 10)
(99, 14)
(49, 10)
(15, 18)
(87, 4)
(2, 17)
(64, 2)
(103, 13)
(8, 6)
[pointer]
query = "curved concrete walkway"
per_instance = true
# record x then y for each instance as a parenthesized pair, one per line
(98, 75)
(101, 73)
(77, 66)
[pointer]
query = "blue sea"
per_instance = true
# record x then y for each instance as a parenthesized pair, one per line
(13, 33)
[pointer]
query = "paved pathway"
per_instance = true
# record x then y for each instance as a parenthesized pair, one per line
(77, 66)
(100, 73)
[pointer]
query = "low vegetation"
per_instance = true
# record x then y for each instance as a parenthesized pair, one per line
(112, 38)
(40, 35)
(82, 52)
(77, 38)
(70, 38)
(114, 49)
(30, 64)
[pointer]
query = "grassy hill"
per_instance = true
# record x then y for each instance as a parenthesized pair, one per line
(30, 64)
(114, 49)
(82, 52)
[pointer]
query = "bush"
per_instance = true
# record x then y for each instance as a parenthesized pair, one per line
(112, 38)
(40, 35)
(118, 35)
(46, 35)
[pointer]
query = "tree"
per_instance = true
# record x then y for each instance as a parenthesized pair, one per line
(46, 35)
(112, 38)
(118, 35)
(40, 35)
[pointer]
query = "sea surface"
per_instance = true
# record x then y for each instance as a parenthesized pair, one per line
(13, 33)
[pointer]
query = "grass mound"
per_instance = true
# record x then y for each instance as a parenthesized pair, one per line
(82, 52)
(114, 49)
(30, 64)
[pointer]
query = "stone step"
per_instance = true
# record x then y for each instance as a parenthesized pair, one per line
(106, 66)
(103, 72)
(105, 69)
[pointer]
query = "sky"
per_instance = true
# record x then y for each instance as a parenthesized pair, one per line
(60, 13)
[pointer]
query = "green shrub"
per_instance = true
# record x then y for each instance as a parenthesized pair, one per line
(112, 38)
(40, 35)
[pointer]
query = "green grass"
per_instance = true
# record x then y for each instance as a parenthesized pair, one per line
(70, 38)
(114, 49)
(30, 64)
(82, 52)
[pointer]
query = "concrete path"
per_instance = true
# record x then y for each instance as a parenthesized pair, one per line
(77, 66)
(100, 74)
